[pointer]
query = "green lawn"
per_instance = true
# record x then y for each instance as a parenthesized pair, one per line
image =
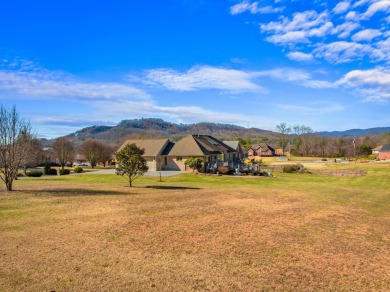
(193, 232)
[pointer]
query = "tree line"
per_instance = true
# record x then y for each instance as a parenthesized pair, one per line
(20, 148)
(301, 140)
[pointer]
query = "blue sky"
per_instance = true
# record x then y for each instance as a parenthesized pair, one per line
(71, 64)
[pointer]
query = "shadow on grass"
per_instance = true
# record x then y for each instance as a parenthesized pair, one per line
(171, 188)
(76, 192)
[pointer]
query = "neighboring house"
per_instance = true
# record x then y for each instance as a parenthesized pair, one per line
(236, 146)
(173, 155)
(211, 150)
(376, 150)
(264, 149)
(250, 152)
(155, 151)
(384, 152)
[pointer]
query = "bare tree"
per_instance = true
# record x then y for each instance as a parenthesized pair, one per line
(93, 151)
(34, 155)
(107, 154)
(284, 131)
(63, 148)
(15, 135)
(303, 135)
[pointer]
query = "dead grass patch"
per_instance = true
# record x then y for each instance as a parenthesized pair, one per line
(183, 236)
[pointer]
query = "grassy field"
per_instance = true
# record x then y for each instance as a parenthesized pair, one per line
(298, 232)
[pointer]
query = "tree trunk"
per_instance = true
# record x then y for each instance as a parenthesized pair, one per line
(9, 186)
(130, 183)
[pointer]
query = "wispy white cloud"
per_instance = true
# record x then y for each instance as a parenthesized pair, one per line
(295, 76)
(301, 21)
(205, 77)
(343, 52)
(299, 29)
(371, 84)
(360, 3)
(376, 7)
(344, 30)
(300, 57)
(318, 108)
(28, 80)
(229, 80)
(254, 8)
(352, 21)
(183, 114)
(366, 35)
(289, 38)
(352, 16)
(341, 7)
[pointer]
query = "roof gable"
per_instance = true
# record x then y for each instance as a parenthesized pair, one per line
(199, 145)
(153, 147)
(233, 144)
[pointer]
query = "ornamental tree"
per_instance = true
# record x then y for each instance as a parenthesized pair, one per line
(194, 163)
(130, 162)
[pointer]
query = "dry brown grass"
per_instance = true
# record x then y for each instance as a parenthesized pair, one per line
(104, 237)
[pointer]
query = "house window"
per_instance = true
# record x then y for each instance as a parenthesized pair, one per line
(179, 158)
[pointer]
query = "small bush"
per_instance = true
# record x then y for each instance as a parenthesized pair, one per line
(34, 173)
(194, 163)
(78, 169)
(294, 168)
(224, 170)
(373, 157)
(51, 171)
(47, 168)
(64, 171)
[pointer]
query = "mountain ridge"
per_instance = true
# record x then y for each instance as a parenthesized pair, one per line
(158, 128)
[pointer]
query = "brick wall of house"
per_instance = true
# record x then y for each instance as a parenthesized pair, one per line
(174, 164)
(384, 155)
(251, 152)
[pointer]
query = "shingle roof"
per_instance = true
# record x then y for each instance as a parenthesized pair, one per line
(153, 147)
(385, 148)
(232, 144)
(199, 145)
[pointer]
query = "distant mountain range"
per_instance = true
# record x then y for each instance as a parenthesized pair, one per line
(158, 128)
(356, 132)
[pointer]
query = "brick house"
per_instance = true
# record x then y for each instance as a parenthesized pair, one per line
(155, 151)
(173, 155)
(251, 152)
(210, 149)
(384, 152)
(263, 149)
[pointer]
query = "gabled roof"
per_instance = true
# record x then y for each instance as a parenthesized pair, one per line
(385, 148)
(153, 147)
(232, 144)
(263, 146)
(199, 145)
